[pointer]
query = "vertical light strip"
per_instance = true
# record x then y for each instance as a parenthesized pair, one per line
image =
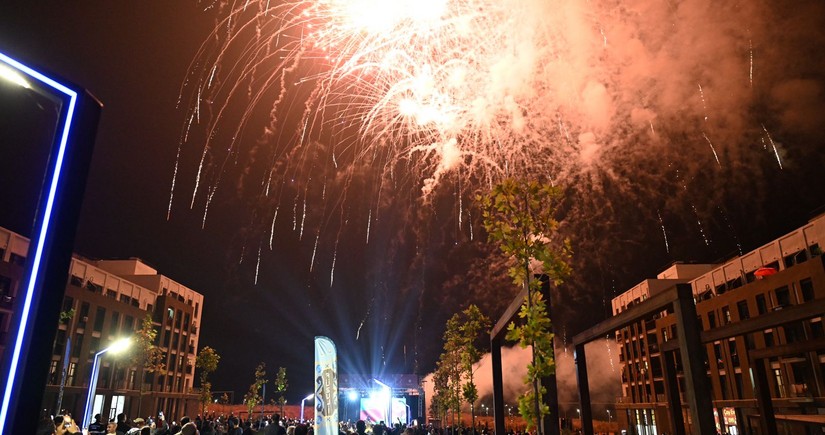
(44, 228)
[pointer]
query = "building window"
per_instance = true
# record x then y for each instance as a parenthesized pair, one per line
(749, 342)
(742, 306)
(94, 345)
(78, 343)
(76, 281)
(128, 324)
(100, 316)
(84, 315)
(734, 355)
(816, 328)
(769, 338)
(5, 286)
(723, 386)
(807, 287)
(111, 293)
(18, 260)
(68, 303)
(53, 371)
(761, 304)
(783, 297)
(70, 373)
(739, 385)
(711, 319)
(780, 386)
(178, 319)
(114, 329)
(59, 342)
(132, 378)
(717, 352)
(94, 288)
(726, 314)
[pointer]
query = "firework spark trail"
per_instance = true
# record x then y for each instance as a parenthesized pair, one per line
(713, 149)
(465, 92)
(704, 104)
(664, 233)
(258, 265)
(750, 62)
(773, 145)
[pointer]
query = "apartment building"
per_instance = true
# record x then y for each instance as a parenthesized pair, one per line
(106, 300)
(784, 273)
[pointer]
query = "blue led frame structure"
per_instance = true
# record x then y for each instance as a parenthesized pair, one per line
(50, 248)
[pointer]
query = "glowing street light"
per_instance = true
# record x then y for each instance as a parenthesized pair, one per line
(115, 348)
(609, 417)
(310, 397)
(9, 74)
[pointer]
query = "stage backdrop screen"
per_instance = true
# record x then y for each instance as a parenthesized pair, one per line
(373, 409)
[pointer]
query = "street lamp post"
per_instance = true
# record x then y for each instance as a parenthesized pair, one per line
(116, 347)
(311, 396)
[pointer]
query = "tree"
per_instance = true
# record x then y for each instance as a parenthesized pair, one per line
(520, 217)
(145, 354)
(474, 323)
(453, 379)
(207, 361)
(281, 384)
(253, 397)
(205, 396)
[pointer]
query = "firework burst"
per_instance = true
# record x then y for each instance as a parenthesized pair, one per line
(418, 93)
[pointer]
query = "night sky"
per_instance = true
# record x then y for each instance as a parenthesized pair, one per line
(391, 296)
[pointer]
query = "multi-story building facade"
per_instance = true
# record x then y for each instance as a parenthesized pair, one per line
(106, 300)
(13, 249)
(786, 272)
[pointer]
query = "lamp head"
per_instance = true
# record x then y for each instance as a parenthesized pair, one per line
(120, 345)
(11, 75)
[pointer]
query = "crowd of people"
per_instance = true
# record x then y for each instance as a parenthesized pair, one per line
(227, 425)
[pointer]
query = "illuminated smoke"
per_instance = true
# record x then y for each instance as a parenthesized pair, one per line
(602, 366)
(477, 90)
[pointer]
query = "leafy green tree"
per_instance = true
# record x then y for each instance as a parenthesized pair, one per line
(207, 361)
(253, 397)
(65, 316)
(146, 354)
(439, 404)
(205, 395)
(519, 216)
(281, 384)
(453, 380)
(473, 324)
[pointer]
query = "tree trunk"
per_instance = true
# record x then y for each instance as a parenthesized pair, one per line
(536, 397)
(140, 394)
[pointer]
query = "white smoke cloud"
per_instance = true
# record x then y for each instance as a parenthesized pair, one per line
(602, 365)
